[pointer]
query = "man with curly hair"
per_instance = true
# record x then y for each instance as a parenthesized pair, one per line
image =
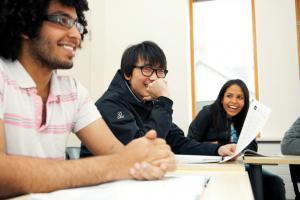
(39, 108)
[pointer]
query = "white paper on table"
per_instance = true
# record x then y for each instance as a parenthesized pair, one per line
(256, 118)
(197, 159)
(175, 187)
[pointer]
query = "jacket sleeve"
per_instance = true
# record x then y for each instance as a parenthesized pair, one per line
(119, 119)
(200, 125)
(291, 141)
(183, 145)
(160, 118)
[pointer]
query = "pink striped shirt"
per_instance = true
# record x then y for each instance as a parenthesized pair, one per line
(69, 109)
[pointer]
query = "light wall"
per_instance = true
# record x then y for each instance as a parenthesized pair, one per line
(278, 67)
(116, 24)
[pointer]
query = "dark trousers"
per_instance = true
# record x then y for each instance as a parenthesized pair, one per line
(273, 186)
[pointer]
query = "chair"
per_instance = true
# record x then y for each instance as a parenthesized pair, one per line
(295, 176)
(72, 153)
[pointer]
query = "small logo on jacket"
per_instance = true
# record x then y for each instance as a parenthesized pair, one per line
(120, 115)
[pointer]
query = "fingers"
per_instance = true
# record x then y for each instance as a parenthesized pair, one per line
(159, 153)
(159, 149)
(151, 135)
(158, 88)
(153, 154)
(235, 157)
(148, 98)
(167, 164)
(225, 150)
(164, 159)
(146, 171)
(233, 147)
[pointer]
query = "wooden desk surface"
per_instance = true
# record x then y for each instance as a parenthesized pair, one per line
(228, 181)
(272, 160)
(228, 166)
(228, 186)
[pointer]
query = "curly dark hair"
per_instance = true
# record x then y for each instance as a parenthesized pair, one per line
(19, 17)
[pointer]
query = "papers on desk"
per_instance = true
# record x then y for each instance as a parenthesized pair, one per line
(195, 159)
(249, 152)
(257, 117)
(175, 187)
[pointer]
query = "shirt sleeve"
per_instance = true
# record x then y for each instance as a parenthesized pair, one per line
(86, 110)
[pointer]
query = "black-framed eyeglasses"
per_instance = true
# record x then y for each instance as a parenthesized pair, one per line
(147, 70)
(65, 21)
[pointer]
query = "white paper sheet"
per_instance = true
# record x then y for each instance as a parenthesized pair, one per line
(175, 187)
(257, 117)
(197, 159)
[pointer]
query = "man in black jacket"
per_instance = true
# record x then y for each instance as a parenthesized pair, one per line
(137, 101)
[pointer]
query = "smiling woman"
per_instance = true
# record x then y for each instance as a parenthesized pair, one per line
(222, 122)
(219, 121)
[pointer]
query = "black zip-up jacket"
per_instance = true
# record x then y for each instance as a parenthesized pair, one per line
(202, 130)
(130, 118)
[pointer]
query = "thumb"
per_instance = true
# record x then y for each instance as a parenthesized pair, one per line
(151, 135)
(225, 151)
(233, 148)
(228, 152)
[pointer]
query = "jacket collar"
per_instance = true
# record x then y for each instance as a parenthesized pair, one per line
(120, 85)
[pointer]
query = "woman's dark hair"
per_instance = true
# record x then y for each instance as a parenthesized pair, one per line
(25, 17)
(147, 51)
(218, 111)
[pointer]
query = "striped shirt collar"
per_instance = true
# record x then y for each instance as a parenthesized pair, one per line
(25, 81)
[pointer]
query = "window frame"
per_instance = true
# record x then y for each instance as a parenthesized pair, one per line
(193, 90)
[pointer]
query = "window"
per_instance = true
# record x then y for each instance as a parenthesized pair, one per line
(223, 47)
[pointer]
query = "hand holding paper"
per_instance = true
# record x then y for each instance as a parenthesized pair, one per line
(257, 117)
